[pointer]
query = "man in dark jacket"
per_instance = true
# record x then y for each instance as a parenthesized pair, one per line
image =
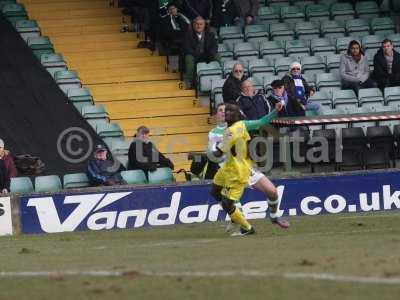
(200, 45)
(253, 106)
(224, 13)
(143, 155)
(102, 171)
(231, 89)
(248, 11)
(387, 66)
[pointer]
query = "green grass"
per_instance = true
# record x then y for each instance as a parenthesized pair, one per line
(366, 245)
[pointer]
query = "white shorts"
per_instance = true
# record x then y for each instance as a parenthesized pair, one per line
(256, 175)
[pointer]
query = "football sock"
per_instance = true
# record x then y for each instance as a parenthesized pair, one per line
(273, 207)
(238, 218)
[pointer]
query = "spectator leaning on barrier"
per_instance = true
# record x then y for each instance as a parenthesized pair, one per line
(143, 154)
(200, 45)
(231, 89)
(7, 169)
(354, 68)
(102, 171)
(387, 66)
(248, 12)
(298, 89)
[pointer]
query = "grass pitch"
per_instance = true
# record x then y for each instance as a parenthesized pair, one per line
(347, 256)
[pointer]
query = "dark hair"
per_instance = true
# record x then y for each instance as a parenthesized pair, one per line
(387, 41)
(277, 83)
(217, 107)
(351, 44)
(142, 130)
(236, 113)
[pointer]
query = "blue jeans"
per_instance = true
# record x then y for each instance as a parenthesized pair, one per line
(316, 107)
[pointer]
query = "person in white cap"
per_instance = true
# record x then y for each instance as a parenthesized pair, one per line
(7, 169)
(298, 88)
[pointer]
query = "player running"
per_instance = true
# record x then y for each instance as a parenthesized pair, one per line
(237, 169)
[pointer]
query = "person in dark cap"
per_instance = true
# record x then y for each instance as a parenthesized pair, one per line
(101, 170)
(143, 154)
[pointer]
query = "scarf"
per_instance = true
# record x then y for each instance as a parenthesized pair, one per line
(174, 21)
(299, 88)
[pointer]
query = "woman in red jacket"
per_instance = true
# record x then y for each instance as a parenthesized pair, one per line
(7, 169)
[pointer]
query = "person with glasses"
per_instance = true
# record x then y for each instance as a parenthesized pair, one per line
(354, 69)
(298, 90)
(231, 89)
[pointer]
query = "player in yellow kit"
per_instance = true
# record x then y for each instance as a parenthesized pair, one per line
(233, 177)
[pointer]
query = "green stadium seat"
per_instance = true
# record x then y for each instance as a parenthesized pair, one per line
(53, 62)
(224, 52)
(333, 63)
(67, 79)
(109, 130)
(371, 42)
(307, 30)
(5, 2)
(258, 83)
(258, 68)
(49, 183)
(322, 47)
(297, 48)
(317, 12)
(95, 112)
(40, 45)
(21, 185)
(80, 97)
(312, 65)
(302, 4)
(255, 33)
(344, 99)
(134, 177)
(342, 11)
(160, 176)
(207, 72)
(357, 27)
(281, 32)
(370, 97)
(27, 28)
(332, 29)
(268, 80)
(367, 9)
(268, 15)
(120, 147)
(216, 92)
(76, 180)
(14, 12)
(291, 14)
(382, 26)
(282, 65)
(328, 81)
(392, 95)
(324, 98)
(245, 51)
(272, 49)
(230, 32)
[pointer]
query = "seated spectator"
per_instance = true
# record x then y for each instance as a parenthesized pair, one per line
(143, 154)
(248, 12)
(252, 105)
(200, 45)
(289, 107)
(231, 89)
(354, 69)
(224, 13)
(198, 8)
(387, 66)
(7, 169)
(298, 89)
(101, 170)
(173, 28)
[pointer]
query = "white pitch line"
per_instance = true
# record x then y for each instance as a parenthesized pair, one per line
(249, 273)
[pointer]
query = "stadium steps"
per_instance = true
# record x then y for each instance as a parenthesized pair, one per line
(132, 83)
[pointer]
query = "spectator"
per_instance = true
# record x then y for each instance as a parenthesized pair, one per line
(387, 66)
(200, 45)
(248, 12)
(232, 86)
(354, 68)
(253, 106)
(224, 13)
(102, 171)
(289, 107)
(143, 155)
(298, 89)
(173, 28)
(7, 169)
(198, 8)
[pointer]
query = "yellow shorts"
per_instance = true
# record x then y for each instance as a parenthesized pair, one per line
(232, 187)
